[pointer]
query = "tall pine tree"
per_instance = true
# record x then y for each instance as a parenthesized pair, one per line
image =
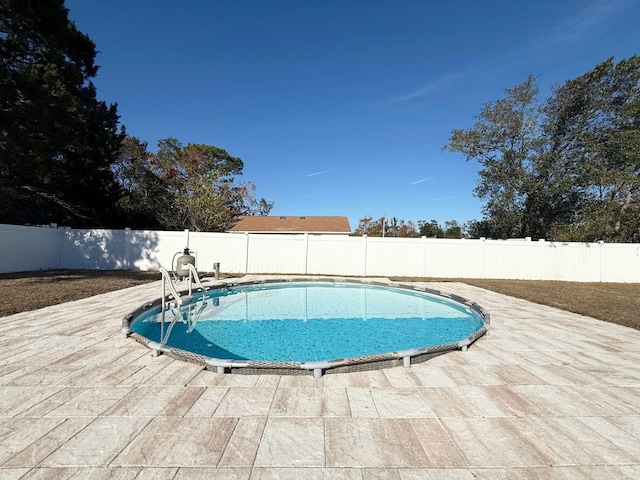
(57, 140)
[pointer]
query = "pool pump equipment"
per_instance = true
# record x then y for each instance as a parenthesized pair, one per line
(183, 260)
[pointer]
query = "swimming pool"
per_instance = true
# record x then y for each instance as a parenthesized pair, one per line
(320, 325)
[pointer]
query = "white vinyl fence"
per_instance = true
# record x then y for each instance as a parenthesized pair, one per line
(38, 248)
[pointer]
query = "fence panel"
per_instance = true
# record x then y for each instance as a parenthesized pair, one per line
(511, 259)
(577, 262)
(396, 257)
(227, 249)
(93, 250)
(620, 262)
(25, 249)
(277, 253)
(336, 255)
(453, 258)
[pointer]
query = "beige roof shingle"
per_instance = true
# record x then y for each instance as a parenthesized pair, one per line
(291, 224)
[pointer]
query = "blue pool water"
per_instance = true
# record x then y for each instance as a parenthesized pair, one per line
(304, 322)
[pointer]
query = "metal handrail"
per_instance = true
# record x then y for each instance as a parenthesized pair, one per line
(193, 275)
(180, 300)
(166, 279)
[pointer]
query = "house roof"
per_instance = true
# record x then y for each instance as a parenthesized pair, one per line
(277, 224)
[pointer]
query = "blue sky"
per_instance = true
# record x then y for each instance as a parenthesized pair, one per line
(341, 107)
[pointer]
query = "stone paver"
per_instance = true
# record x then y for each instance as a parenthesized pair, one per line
(548, 394)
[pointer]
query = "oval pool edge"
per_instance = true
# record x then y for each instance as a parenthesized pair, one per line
(342, 365)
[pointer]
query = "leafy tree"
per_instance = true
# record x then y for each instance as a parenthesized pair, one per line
(506, 141)
(392, 227)
(201, 192)
(566, 170)
(145, 200)
(452, 229)
(430, 229)
(476, 229)
(55, 135)
(407, 230)
(369, 227)
(593, 126)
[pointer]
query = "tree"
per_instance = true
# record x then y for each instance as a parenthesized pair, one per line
(476, 229)
(55, 135)
(593, 126)
(565, 170)
(430, 229)
(506, 141)
(392, 227)
(452, 229)
(369, 227)
(201, 191)
(145, 200)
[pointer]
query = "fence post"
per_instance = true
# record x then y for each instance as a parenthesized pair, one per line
(601, 245)
(423, 267)
(483, 251)
(543, 261)
(126, 264)
(246, 252)
(364, 258)
(306, 253)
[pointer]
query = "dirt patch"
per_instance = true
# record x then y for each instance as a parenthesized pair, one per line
(612, 302)
(26, 291)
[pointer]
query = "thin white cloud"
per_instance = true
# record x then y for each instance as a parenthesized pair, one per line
(317, 173)
(421, 180)
(585, 23)
(447, 198)
(431, 87)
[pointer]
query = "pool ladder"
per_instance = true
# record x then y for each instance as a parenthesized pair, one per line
(176, 301)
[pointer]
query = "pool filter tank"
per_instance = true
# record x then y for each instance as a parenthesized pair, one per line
(183, 260)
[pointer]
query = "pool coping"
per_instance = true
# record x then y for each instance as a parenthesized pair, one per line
(318, 368)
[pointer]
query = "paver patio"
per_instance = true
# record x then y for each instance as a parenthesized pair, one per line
(548, 394)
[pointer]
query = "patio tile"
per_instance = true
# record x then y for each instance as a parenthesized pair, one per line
(82, 473)
(241, 401)
(147, 401)
(361, 403)
(369, 379)
(380, 443)
(594, 472)
(429, 375)
(630, 424)
(50, 403)
(310, 402)
(436, 474)
(439, 448)
(243, 444)
(176, 373)
(213, 474)
(494, 442)
(604, 440)
(178, 442)
(153, 473)
(261, 473)
(208, 402)
(48, 443)
(89, 402)
(13, 473)
(292, 442)
(97, 444)
(400, 403)
(207, 378)
(381, 474)
(18, 434)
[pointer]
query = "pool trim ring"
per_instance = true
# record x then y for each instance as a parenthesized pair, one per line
(369, 362)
